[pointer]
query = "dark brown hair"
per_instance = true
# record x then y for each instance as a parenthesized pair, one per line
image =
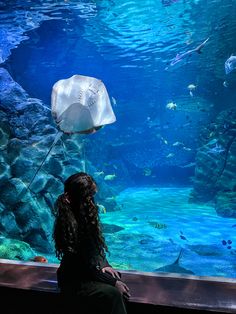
(77, 223)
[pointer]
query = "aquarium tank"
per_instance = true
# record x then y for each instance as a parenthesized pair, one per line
(165, 166)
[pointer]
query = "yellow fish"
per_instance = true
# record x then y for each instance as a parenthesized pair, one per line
(157, 225)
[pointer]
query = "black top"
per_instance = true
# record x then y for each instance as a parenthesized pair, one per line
(75, 268)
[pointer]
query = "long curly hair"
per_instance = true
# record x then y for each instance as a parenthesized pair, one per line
(77, 223)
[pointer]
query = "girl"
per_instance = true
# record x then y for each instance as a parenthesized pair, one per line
(84, 271)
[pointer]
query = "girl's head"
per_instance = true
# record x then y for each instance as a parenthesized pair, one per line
(78, 188)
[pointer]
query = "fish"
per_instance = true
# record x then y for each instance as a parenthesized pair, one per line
(147, 171)
(178, 144)
(109, 177)
(217, 149)
(109, 228)
(157, 225)
(102, 208)
(225, 84)
(171, 106)
(190, 165)
(39, 259)
(230, 64)
(187, 149)
(170, 155)
(183, 237)
(174, 267)
(181, 56)
(114, 102)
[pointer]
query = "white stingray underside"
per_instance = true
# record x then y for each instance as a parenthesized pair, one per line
(80, 103)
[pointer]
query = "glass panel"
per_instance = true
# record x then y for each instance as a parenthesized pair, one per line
(165, 169)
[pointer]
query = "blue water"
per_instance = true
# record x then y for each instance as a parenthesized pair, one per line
(150, 150)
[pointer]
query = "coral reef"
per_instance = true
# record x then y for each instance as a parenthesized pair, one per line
(15, 249)
(216, 164)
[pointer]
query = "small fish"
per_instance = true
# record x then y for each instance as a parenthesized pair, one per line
(102, 208)
(164, 140)
(147, 172)
(190, 165)
(114, 102)
(170, 155)
(39, 259)
(218, 149)
(212, 142)
(225, 84)
(183, 237)
(229, 242)
(171, 106)
(233, 226)
(224, 242)
(109, 177)
(229, 247)
(134, 218)
(187, 149)
(178, 144)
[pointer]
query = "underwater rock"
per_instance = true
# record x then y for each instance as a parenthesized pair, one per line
(4, 172)
(40, 240)
(8, 225)
(109, 228)
(11, 92)
(216, 164)
(14, 191)
(26, 215)
(54, 185)
(2, 208)
(226, 204)
(48, 129)
(4, 136)
(22, 168)
(53, 166)
(73, 145)
(13, 149)
(39, 183)
(15, 250)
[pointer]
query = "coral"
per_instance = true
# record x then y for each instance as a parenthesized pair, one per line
(16, 250)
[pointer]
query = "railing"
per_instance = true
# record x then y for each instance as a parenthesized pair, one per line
(215, 294)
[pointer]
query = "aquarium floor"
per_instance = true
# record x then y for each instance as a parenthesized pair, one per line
(158, 222)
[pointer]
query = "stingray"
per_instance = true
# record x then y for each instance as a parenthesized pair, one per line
(79, 104)
(175, 268)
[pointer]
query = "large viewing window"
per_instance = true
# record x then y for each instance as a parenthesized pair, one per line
(165, 169)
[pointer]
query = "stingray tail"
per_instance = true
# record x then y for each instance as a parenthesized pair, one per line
(179, 257)
(58, 136)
